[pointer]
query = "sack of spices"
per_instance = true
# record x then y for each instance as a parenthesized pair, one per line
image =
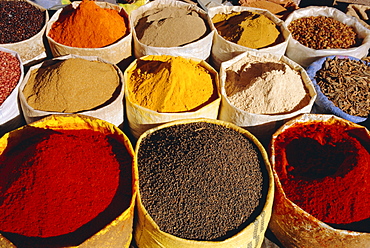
(321, 168)
(67, 181)
(73, 84)
(207, 183)
(239, 29)
(90, 28)
(11, 75)
(171, 27)
(342, 84)
(163, 88)
(22, 25)
(260, 91)
(323, 31)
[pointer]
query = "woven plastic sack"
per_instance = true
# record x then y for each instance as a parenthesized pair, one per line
(118, 233)
(147, 233)
(294, 227)
(223, 50)
(112, 112)
(10, 111)
(31, 50)
(322, 104)
(200, 49)
(114, 53)
(305, 56)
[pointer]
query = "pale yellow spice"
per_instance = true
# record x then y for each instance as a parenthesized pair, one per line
(170, 84)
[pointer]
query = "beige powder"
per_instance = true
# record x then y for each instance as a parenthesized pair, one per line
(71, 85)
(265, 86)
(170, 27)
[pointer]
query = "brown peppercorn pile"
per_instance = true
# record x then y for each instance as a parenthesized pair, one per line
(321, 32)
(200, 181)
(10, 73)
(346, 83)
(19, 20)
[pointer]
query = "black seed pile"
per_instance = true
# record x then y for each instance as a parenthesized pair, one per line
(201, 181)
(19, 20)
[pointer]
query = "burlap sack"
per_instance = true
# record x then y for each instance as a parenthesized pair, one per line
(141, 119)
(31, 50)
(200, 49)
(261, 125)
(118, 233)
(296, 228)
(148, 234)
(112, 112)
(223, 50)
(305, 56)
(10, 111)
(114, 53)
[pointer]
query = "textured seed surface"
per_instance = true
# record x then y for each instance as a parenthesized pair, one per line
(346, 83)
(19, 20)
(200, 181)
(10, 73)
(321, 32)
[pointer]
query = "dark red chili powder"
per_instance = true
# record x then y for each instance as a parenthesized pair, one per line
(54, 182)
(324, 170)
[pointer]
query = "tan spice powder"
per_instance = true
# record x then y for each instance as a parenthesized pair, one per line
(71, 85)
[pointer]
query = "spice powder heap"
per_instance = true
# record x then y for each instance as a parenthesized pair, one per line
(54, 182)
(265, 86)
(247, 29)
(10, 72)
(325, 171)
(170, 84)
(71, 85)
(170, 27)
(19, 20)
(202, 181)
(89, 26)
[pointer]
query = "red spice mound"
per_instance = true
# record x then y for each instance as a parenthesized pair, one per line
(325, 171)
(88, 26)
(56, 181)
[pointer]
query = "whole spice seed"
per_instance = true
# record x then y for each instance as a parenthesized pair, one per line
(10, 73)
(346, 83)
(321, 32)
(200, 181)
(19, 20)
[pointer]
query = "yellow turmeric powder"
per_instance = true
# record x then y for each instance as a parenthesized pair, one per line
(247, 29)
(170, 84)
(89, 26)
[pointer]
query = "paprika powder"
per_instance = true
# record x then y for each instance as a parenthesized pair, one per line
(62, 182)
(323, 168)
(89, 26)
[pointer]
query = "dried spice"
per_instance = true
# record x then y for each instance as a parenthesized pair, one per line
(10, 73)
(346, 83)
(323, 168)
(19, 20)
(202, 181)
(321, 32)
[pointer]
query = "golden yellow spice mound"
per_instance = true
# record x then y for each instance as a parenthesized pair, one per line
(247, 29)
(170, 84)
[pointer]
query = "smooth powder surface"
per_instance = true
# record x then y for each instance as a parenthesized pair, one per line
(170, 27)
